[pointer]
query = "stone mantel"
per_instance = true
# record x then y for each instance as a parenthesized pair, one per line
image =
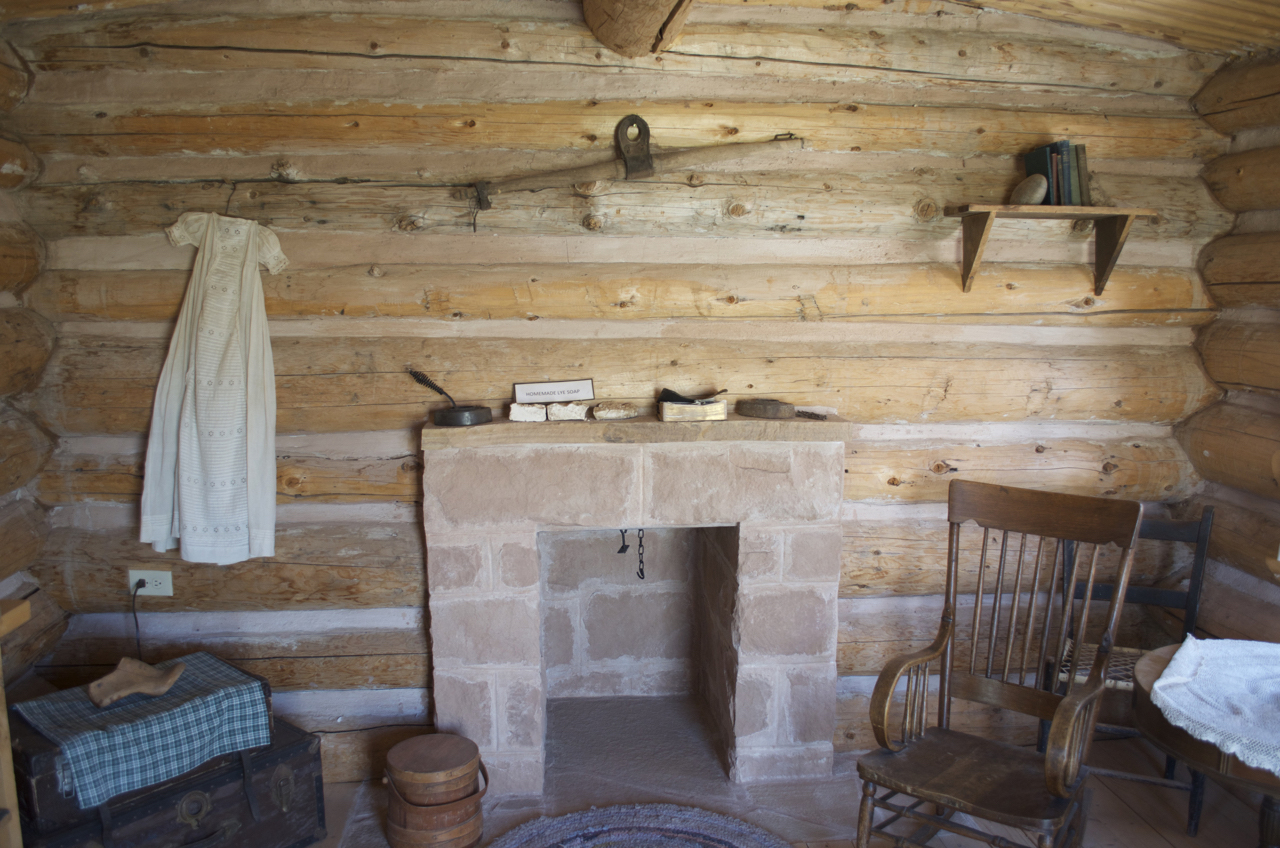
(642, 430)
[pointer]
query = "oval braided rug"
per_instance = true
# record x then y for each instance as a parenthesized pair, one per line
(639, 826)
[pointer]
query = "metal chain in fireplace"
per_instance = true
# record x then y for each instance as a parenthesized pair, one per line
(640, 536)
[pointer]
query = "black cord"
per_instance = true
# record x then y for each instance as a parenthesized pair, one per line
(137, 632)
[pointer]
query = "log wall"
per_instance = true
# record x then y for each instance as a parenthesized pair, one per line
(1236, 443)
(827, 276)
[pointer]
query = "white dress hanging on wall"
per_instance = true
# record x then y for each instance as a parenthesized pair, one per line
(210, 480)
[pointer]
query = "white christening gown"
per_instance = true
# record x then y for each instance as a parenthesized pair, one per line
(210, 480)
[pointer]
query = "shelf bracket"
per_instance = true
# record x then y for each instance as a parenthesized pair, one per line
(977, 228)
(1109, 237)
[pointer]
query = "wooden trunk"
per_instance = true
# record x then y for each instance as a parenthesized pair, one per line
(1241, 97)
(636, 27)
(287, 810)
(18, 165)
(1243, 270)
(26, 340)
(1237, 446)
(21, 254)
(1242, 356)
(24, 449)
(1246, 181)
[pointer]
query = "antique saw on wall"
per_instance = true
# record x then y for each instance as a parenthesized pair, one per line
(636, 162)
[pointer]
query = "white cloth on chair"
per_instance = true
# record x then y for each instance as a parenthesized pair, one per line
(210, 480)
(1226, 692)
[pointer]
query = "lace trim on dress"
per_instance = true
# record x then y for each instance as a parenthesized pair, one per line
(275, 263)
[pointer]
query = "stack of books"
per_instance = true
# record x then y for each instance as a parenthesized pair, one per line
(1064, 165)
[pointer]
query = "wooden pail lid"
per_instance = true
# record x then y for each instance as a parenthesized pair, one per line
(433, 758)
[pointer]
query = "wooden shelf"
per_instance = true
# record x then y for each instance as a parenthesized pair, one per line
(1110, 230)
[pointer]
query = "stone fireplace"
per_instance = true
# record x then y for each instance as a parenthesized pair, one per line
(765, 499)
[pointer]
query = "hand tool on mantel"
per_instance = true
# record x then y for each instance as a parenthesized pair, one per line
(636, 161)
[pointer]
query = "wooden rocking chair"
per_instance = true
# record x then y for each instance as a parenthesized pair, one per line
(1017, 623)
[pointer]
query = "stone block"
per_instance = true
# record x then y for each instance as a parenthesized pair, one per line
(638, 624)
(558, 618)
(453, 566)
(753, 711)
(572, 560)
(760, 554)
(651, 678)
(518, 566)
(522, 710)
(784, 621)
(733, 482)
(465, 706)
(462, 491)
(813, 553)
(811, 704)
(755, 765)
(514, 773)
(485, 631)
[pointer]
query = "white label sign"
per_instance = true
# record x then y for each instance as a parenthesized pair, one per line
(554, 392)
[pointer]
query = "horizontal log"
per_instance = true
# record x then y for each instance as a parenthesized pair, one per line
(24, 449)
(1237, 446)
(25, 645)
(1241, 97)
(23, 529)
(18, 165)
(1246, 181)
(873, 631)
(21, 255)
(26, 340)
(13, 86)
(1008, 293)
(360, 754)
(1242, 356)
(901, 205)
(1152, 470)
(352, 566)
(99, 385)
(588, 125)
(902, 53)
(70, 478)
(391, 659)
(1243, 270)
(1243, 538)
(909, 557)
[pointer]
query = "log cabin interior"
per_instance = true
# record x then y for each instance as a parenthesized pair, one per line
(468, 579)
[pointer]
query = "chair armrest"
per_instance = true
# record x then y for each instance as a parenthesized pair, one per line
(1072, 730)
(887, 682)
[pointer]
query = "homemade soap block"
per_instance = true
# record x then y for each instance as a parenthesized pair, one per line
(572, 410)
(528, 412)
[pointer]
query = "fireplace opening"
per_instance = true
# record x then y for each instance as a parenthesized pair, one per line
(607, 634)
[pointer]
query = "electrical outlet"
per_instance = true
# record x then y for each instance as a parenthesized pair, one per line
(158, 582)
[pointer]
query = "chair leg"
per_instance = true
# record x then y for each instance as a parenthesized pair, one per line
(866, 813)
(1196, 803)
(1269, 823)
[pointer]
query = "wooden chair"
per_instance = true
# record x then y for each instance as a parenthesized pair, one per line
(1017, 625)
(1124, 659)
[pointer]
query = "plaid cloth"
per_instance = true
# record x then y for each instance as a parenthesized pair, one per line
(213, 709)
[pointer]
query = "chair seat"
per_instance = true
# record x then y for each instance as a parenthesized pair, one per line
(992, 780)
(1119, 672)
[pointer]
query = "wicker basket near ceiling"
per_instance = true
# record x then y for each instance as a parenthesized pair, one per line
(636, 27)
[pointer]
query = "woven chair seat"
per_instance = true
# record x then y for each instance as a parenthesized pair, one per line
(1119, 672)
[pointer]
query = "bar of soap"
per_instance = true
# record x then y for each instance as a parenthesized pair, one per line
(528, 412)
(570, 410)
(614, 410)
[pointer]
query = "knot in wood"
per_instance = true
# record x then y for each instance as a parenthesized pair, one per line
(408, 223)
(942, 467)
(586, 189)
(926, 210)
(894, 481)
(1108, 467)
(738, 210)
(695, 180)
(1082, 227)
(375, 271)
(593, 222)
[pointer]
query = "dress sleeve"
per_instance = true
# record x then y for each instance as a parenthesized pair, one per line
(189, 229)
(269, 251)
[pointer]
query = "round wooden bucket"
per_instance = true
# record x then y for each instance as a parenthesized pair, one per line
(457, 824)
(435, 768)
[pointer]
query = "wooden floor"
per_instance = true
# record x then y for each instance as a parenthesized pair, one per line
(1128, 814)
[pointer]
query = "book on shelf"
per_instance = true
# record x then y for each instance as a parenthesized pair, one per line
(1065, 166)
